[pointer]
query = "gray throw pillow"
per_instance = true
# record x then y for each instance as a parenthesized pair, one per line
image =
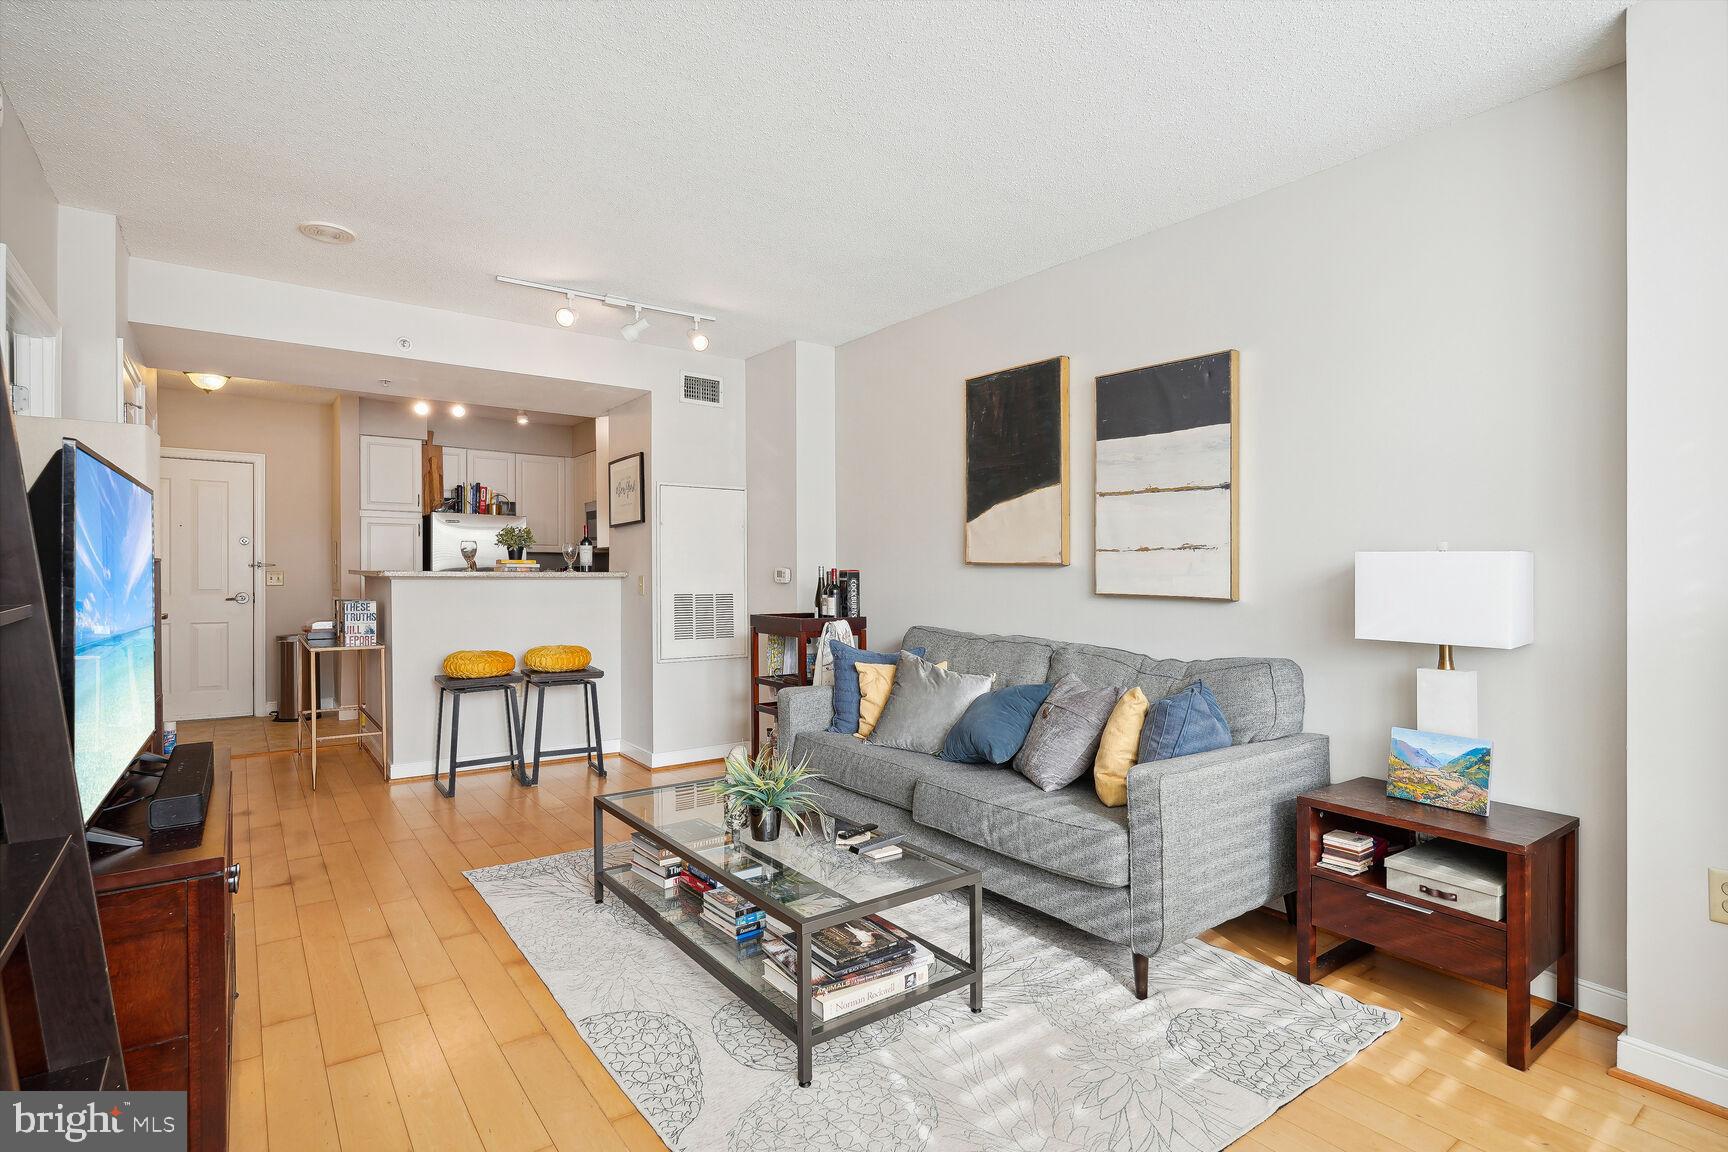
(926, 701)
(1064, 738)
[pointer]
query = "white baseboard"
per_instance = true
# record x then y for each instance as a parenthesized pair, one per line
(682, 755)
(1676, 1070)
(636, 752)
(1596, 1000)
(422, 769)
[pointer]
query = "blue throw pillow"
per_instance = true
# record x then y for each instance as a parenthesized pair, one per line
(1184, 723)
(846, 696)
(994, 726)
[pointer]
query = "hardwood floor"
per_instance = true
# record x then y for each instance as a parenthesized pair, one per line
(383, 1006)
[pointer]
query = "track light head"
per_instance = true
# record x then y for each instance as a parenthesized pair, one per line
(566, 314)
(698, 338)
(636, 327)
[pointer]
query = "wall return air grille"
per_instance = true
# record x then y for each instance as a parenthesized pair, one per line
(703, 616)
(702, 390)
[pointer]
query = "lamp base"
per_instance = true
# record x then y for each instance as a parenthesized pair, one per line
(1446, 702)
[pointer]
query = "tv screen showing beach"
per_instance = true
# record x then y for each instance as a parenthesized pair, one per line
(113, 627)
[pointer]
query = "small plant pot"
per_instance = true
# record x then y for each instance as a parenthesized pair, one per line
(764, 823)
(517, 553)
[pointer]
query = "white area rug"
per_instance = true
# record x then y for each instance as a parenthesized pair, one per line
(1063, 1057)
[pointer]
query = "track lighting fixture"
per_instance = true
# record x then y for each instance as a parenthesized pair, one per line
(208, 382)
(421, 408)
(566, 314)
(521, 417)
(636, 327)
(458, 410)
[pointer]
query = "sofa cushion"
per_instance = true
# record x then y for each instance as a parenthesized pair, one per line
(846, 692)
(885, 774)
(1184, 723)
(1067, 832)
(1011, 659)
(995, 725)
(1063, 740)
(927, 701)
(1261, 698)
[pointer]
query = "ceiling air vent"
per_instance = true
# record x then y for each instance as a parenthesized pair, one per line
(702, 390)
(703, 616)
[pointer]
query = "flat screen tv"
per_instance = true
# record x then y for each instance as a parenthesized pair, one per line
(94, 535)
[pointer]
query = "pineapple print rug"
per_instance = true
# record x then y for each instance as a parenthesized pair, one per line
(1063, 1057)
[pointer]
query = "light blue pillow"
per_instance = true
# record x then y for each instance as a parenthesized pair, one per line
(846, 695)
(994, 725)
(1184, 723)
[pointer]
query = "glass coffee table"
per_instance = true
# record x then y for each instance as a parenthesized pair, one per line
(834, 885)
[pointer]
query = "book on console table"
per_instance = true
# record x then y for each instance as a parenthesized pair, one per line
(832, 997)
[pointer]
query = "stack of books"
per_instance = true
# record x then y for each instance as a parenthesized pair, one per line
(515, 565)
(1351, 853)
(730, 914)
(655, 864)
(852, 966)
(320, 633)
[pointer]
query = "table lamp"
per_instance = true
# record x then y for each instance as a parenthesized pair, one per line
(1463, 599)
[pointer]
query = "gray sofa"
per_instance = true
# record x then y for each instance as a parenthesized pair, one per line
(1203, 838)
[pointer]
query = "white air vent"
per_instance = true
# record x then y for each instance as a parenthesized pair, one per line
(703, 616)
(703, 390)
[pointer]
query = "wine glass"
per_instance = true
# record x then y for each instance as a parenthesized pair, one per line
(569, 557)
(469, 550)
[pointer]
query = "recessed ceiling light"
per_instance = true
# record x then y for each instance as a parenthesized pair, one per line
(421, 408)
(458, 410)
(207, 381)
(326, 233)
(521, 417)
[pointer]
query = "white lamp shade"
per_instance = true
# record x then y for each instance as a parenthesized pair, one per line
(1466, 599)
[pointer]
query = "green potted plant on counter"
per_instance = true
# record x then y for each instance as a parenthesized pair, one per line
(768, 788)
(516, 539)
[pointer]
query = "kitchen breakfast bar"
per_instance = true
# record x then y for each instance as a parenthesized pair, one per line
(424, 616)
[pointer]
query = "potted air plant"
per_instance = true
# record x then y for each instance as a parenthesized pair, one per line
(516, 539)
(769, 787)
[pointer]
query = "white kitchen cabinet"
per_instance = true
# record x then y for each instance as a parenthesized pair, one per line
(542, 496)
(495, 470)
(389, 474)
(390, 542)
(455, 468)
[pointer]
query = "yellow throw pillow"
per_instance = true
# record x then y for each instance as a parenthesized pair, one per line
(875, 685)
(1119, 747)
(472, 665)
(557, 658)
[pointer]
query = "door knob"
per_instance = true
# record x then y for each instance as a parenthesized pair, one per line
(241, 597)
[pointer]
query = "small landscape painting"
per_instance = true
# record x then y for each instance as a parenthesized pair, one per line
(1017, 465)
(1445, 771)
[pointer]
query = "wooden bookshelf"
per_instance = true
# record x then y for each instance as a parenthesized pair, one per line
(804, 627)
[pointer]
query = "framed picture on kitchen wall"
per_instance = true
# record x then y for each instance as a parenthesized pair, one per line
(1017, 465)
(1167, 500)
(626, 492)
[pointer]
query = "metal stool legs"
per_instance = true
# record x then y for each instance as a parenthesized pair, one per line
(514, 712)
(592, 751)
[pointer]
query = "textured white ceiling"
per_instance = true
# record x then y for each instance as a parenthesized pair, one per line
(806, 170)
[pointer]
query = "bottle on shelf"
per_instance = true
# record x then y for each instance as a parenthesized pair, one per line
(830, 594)
(821, 587)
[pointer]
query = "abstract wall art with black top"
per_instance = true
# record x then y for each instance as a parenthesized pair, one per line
(1165, 513)
(1017, 465)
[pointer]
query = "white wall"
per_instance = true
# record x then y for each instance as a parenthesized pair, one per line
(629, 430)
(29, 213)
(1432, 342)
(92, 262)
(815, 478)
(771, 475)
(1676, 604)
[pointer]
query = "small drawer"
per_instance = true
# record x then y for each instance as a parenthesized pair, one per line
(1401, 926)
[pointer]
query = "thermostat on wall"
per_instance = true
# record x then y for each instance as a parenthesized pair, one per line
(782, 575)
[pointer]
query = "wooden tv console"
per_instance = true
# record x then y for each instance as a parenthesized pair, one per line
(168, 929)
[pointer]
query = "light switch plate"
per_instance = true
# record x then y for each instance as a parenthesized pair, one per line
(1719, 895)
(275, 579)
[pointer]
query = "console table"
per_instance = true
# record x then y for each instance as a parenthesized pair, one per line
(1541, 925)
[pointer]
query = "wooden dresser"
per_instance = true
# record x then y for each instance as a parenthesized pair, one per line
(168, 930)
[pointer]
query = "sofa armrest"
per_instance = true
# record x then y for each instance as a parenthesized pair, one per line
(806, 709)
(1212, 836)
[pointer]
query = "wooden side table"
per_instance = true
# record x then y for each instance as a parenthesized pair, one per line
(1541, 925)
(804, 626)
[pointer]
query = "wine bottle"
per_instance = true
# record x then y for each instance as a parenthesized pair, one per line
(820, 588)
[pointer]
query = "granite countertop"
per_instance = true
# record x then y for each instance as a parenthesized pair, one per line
(557, 574)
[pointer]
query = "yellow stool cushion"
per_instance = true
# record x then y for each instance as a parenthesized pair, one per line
(557, 658)
(472, 665)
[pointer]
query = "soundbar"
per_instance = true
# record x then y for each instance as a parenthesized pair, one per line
(183, 796)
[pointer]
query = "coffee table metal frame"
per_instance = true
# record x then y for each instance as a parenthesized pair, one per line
(799, 1025)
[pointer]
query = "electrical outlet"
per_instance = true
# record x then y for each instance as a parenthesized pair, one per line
(1719, 895)
(275, 579)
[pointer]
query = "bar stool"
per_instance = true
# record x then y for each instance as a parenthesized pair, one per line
(593, 751)
(458, 687)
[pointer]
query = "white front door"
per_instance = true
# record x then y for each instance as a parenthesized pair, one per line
(208, 593)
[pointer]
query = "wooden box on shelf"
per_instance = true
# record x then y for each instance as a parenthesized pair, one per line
(1541, 925)
(801, 626)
